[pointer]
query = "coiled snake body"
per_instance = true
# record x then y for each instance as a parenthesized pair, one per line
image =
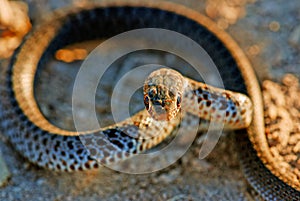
(57, 149)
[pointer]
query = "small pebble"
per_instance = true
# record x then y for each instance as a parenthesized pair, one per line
(274, 26)
(294, 38)
(254, 50)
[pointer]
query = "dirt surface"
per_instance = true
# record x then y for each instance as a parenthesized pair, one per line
(266, 30)
(282, 115)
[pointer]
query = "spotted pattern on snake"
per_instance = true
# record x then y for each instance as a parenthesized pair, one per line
(64, 151)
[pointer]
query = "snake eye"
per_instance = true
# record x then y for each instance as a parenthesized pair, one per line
(146, 102)
(152, 92)
(178, 101)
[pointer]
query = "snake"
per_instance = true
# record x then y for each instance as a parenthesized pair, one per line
(46, 145)
(166, 92)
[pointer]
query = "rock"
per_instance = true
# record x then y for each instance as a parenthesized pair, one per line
(294, 38)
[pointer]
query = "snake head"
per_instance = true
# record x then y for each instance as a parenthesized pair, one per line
(163, 94)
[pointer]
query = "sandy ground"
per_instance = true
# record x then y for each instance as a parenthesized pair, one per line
(267, 31)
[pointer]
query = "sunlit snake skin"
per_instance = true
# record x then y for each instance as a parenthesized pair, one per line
(56, 151)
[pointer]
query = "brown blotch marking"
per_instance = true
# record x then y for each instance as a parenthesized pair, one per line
(130, 145)
(35, 137)
(227, 95)
(22, 127)
(79, 151)
(58, 167)
(96, 165)
(119, 154)
(199, 99)
(110, 147)
(227, 114)
(48, 165)
(141, 117)
(88, 141)
(208, 103)
(243, 111)
(141, 148)
(40, 157)
(112, 159)
(103, 160)
(72, 167)
(70, 145)
(117, 143)
(87, 165)
(44, 141)
(234, 114)
(205, 96)
(64, 163)
(105, 153)
(37, 147)
(199, 91)
(100, 142)
(27, 135)
(57, 145)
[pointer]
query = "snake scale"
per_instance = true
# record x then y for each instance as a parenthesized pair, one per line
(48, 146)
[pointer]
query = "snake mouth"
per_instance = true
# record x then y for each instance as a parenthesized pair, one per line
(159, 113)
